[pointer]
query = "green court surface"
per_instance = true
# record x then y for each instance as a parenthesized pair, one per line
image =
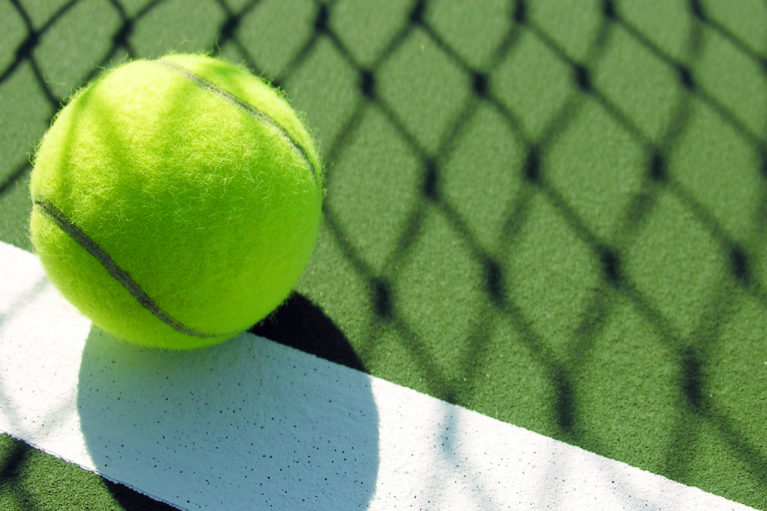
(550, 212)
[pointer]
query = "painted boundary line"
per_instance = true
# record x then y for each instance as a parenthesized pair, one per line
(252, 423)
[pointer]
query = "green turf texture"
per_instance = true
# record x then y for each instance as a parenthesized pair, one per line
(176, 201)
(31, 479)
(611, 295)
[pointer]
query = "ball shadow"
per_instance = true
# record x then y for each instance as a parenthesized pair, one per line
(248, 424)
(300, 324)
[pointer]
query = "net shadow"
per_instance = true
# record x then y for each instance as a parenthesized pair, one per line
(611, 251)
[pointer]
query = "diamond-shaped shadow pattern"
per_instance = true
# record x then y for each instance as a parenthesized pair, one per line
(542, 203)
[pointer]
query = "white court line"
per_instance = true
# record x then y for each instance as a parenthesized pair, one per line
(251, 424)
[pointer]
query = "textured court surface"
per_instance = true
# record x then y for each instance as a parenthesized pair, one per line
(551, 213)
(252, 424)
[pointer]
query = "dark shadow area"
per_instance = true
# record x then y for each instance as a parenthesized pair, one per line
(131, 500)
(300, 324)
(15, 455)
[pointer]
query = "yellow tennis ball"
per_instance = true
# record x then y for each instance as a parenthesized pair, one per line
(176, 201)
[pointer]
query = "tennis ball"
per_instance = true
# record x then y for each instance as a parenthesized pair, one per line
(176, 201)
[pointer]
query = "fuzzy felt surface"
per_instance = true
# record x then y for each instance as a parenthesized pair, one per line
(552, 212)
(200, 184)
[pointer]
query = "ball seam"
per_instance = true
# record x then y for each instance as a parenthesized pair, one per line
(252, 110)
(116, 271)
